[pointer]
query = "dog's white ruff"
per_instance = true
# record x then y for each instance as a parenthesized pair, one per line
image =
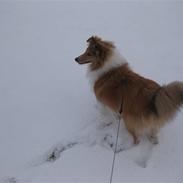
(115, 60)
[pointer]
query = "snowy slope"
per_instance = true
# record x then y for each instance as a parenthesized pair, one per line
(47, 104)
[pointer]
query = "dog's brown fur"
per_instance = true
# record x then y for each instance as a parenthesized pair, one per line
(96, 53)
(145, 106)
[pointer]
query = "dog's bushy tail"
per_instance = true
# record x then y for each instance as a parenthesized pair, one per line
(169, 99)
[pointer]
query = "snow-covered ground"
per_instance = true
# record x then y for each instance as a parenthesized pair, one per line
(50, 127)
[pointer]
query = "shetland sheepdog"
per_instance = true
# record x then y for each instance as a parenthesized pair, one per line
(143, 104)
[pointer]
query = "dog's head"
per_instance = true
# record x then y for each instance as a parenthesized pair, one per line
(96, 53)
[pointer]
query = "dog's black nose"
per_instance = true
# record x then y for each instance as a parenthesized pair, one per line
(76, 59)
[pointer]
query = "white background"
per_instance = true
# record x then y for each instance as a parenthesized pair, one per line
(45, 97)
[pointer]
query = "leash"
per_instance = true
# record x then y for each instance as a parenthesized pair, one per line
(114, 156)
(116, 144)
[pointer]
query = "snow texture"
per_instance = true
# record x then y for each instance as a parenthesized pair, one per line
(51, 127)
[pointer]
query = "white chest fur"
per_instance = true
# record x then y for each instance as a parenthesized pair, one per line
(114, 61)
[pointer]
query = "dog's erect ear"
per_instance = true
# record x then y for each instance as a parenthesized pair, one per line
(92, 39)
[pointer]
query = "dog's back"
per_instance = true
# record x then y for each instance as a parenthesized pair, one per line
(121, 86)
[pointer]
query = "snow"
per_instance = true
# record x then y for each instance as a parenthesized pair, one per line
(51, 128)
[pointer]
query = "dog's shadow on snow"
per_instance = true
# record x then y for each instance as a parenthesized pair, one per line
(101, 130)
